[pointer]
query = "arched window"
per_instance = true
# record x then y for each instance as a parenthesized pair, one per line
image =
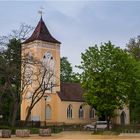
(48, 61)
(69, 111)
(48, 112)
(49, 68)
(81, 112)
(91, 113)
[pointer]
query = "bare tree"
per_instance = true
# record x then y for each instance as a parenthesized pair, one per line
(37, 77)
(21, 34)
(29, 72)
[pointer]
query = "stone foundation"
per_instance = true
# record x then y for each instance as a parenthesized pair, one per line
(5, 133)
(45, 132)
(22, 133)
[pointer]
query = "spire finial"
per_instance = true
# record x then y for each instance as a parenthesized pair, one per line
(41, 11)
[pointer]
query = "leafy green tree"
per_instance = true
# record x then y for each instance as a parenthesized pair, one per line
(133, 47)
(5, 97)
(10, 70)
(67, 74)
(106, 78)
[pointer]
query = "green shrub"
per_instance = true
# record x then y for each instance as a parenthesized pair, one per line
(34, 130)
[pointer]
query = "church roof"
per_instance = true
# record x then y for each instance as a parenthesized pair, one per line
(71, 92)
(42, 33)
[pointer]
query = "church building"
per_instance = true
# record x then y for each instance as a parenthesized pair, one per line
(63, 103)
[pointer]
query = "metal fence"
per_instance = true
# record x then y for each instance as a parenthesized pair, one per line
(38, 124)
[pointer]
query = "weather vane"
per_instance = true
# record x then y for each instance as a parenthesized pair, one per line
(41, 11)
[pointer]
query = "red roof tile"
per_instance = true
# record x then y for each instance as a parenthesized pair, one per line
(71, 92)
(42, 33)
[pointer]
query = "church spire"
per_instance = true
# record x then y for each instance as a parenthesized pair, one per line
(42, 33)
(41, 12)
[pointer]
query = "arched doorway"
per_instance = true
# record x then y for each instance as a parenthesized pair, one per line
(122, 118)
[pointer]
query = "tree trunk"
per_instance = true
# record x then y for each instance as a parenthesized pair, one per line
(14, 113)
(108, 122)
(0, 102)
(28, 115)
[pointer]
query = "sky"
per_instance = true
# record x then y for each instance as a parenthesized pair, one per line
(76, 24)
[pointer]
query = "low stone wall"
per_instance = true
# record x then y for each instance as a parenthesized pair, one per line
(22, 133)
(45, 132)
(0, 133)
(5, 133)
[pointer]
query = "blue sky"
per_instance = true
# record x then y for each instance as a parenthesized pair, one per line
(77, 24)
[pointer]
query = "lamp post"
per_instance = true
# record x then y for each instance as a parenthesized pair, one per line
(45, 97)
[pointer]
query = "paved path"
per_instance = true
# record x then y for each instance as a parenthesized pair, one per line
(73, 135)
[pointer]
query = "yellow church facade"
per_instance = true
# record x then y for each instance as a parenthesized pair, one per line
(63, 103)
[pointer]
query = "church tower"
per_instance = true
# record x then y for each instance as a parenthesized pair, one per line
(42, 46)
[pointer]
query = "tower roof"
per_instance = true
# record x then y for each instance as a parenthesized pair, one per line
(42, 33)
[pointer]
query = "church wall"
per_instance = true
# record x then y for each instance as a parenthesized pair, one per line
(62, 112)
(117, 119)
(39, 109)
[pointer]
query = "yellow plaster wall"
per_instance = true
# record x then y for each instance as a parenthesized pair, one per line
(62, 112)
(38, 49)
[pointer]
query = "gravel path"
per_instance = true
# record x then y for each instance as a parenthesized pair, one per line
(76, 135)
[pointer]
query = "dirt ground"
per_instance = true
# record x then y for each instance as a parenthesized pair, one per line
(76, 135)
